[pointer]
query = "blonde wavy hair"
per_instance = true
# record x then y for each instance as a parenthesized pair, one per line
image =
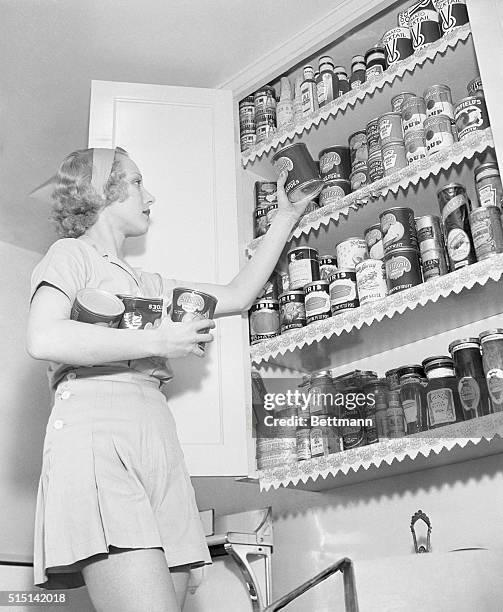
(76, 203)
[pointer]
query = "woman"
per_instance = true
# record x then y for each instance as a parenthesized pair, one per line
(115, 507)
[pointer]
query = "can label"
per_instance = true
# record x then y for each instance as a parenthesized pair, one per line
(140, 313)
(453, 13)
(350, 252)
(390, 128)
(488, 196)
(429, 233)
(439, 101)
(374, 71)
(441, 406)
(396, 267)
(292, 312)
(415, 147)
(317, 306)
(332, 192)
(343, 294)
(398, 100)
(303, 178)
(397, 44)
(303, 444)
(471, 116)
(412, 119)
(398, 229)
(402, 270)
(303, 268)
(438, 133)
(373, 135)
(264, 321)
(247, 140)
(458, 246)
(353, 435)
(495, 385)
(328, 266)
(358, 148)
(393, 158)
(335, 164)
(374, 242)
(487, 233)
(375, 167)
(424, 27)
(469, 393)
(371, 281)
(358, 178)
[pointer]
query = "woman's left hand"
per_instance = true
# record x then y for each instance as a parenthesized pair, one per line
(294, 209)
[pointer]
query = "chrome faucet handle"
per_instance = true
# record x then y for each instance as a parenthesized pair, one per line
(422, 548)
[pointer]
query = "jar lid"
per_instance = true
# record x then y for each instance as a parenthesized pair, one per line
(490, 332)
(415, 369)
(457, 344)
(489, 169)
(391, 372)
(376, 51)
(438, 361)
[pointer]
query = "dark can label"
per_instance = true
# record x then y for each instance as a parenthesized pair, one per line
(358, 148)
(292, 312)
(471, 116)
(372, 133)
(303, 267)
(352, 430)
(335, 163)
(265, 194)
(398, 229)
(343, 294)
(264, 320)
(140, 313)
(261, 223)
(97, 307)
(373, 238)
(333, 191)
(423, 24)
(403, 270)
(397, 44)
(452, 13)
(454, 206)
(302, 173)
(434, 263)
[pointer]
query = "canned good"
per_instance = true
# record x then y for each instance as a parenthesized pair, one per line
(97, 307)
(375, 61)
(324, 436)
(359, 178)
(373, 238)
(472, 387)
(390, 128)
(292, 312)
(434, 263)
(403, 270)
(328, 265)
(371, 281)
(247, 110)
(358, 149)
(266, 126)
(393, 158)
(372, 133)
(398, 229)
(190, 305)
(271, 212)
(438, 100)
(452, 14)
(474, 87)
(261, 224)
(471, 116)
(438, 132)
(351, 251)
(303, 436)
(487, 233)
(265, 194)
(423, 23)
(413, 114)
(335, 163)
(247, 140)
(415, 146)
(284, 282)
(343, 292)
(317, 301)
(302, 174)
(303, 267)
(140, 313)
(398, 100)
(454, 207)
(488, 185)
(264, 320)
(429, 233)
(397, 44)
(375, 166)
(334, 191)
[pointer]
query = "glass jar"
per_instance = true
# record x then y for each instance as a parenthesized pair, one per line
(321, 393)
(394, 411)
(444, 406)
(368, 380)
(492, 361)
(392, 378)
(378, 389)
(472, 386)
(352, 430)
(413, 398)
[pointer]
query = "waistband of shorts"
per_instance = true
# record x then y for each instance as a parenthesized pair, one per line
(111, 375)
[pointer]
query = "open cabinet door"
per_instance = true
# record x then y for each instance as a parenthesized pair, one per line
(183, 141)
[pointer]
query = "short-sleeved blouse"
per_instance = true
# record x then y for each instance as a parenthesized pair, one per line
(72, 264)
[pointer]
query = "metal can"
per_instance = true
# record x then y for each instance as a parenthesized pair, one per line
(488, 185)
(97, 307)
(247, 139)
(302, 173)
(474, 87)
(375, 62)
(373, 238)
(261, 225)
(265, 99)
(438, 133)
(372, 132)
(328, 265)
(265, 194)
(140, 313)
(454, 207)
(375, 166)
(292, 312)
(415, 146)
(247, 110)
(270, 289)
(438, 100)
(403, 270)
(359, 178)
(335, 163)
(393, 158)
(452, 14)
(471, 115)
(423, 23)
(397, 44)
(303, 267)
(343, 292)
(429, 233)
(371, 281)
(398, 229)
(434, 263)
(390, 128)
(398, 100)
(190, 305)
(324, 436)
(317, 301)
(487, 233)
(413, 114)
(402, 19)
(358, 149)
(266, 126)
(264, 320)
(351, 251)
(271, 212)
(334, 191)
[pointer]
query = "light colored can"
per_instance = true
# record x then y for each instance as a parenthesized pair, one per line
(328, 265)
(488, 185)
(358, 149)
(247, 139)
(429, 233)
(375, 167)
(438, 133)
(373, 238)
(334, 191)
(393, 158)
(434, 263)
(413, 114)
(317, 301)
(351, 251)
(390, 128)
(438, 100)
(398, 100)
(372, 132)
(415, 146)
(487, 233)
(371, 281)
(343, 293)
(471, 116)
(264, 320)
(452, 13)
(303, 267)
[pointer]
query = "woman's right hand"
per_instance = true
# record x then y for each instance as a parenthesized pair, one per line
(179, 339)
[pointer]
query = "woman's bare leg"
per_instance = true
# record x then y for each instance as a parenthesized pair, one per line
(180, 577)
(130, 580)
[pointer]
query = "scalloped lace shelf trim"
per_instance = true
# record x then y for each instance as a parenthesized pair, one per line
(387, 451)
(449, 40)
(430, 291)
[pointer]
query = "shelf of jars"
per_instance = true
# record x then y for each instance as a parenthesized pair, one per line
(463, 441)
(370, 197)
(435, 63)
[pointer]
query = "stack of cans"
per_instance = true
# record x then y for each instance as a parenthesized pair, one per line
(265, 112)
(335, 167)
(247, 123)
(359, 156)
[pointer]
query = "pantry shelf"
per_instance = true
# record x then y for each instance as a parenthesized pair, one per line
(475, 143)
(450, 444)
(429, 292)
(409, 65)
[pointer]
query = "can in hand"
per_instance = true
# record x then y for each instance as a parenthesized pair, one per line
(140, 312)
(189, 305)
(97, 307)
